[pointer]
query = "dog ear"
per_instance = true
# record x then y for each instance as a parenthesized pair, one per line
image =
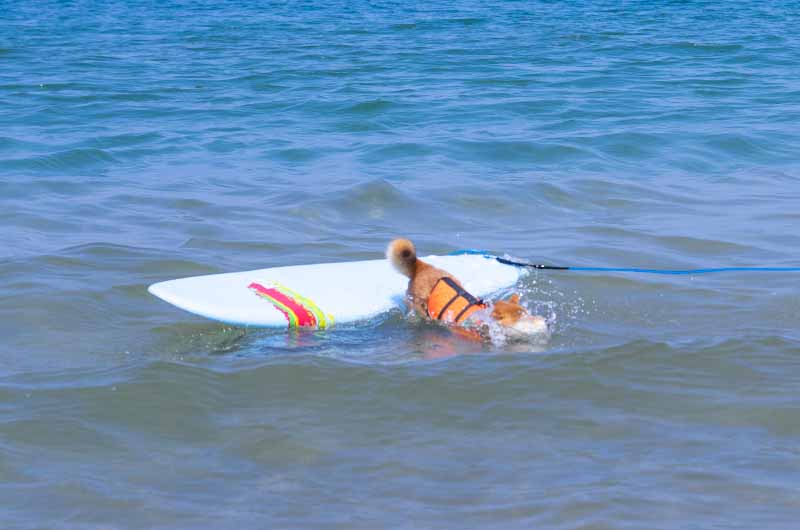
(514, 298)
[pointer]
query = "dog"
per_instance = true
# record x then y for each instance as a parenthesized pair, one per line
(437, 295)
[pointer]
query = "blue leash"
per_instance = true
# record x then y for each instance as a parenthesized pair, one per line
(537, 266)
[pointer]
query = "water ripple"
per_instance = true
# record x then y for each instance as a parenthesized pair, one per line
(145, 141)
(73, 159)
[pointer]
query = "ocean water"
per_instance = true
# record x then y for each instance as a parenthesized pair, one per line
(142, 141)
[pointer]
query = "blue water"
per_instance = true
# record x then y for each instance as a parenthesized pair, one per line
(142, 141)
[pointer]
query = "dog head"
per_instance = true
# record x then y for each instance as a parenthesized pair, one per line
(515, 318)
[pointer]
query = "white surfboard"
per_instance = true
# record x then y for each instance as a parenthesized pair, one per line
(322, 294)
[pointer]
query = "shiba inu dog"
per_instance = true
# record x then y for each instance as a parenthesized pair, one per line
(435, 294)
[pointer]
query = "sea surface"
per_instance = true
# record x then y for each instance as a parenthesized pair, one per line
(142, 141)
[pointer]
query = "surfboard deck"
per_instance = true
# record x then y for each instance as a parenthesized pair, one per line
(319, 295)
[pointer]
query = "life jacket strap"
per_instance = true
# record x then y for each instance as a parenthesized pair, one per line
(458, 292)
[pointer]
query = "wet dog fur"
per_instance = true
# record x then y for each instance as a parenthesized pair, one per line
(422, 278)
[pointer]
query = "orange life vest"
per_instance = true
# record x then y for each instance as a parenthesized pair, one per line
(450, 303)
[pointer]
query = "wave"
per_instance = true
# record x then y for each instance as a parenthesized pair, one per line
(71, 159)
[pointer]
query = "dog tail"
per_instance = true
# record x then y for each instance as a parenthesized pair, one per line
(402, 255)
